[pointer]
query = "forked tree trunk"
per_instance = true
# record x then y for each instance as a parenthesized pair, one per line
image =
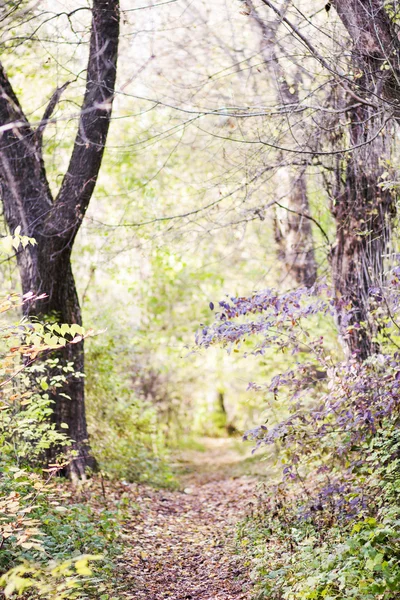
(54, 223)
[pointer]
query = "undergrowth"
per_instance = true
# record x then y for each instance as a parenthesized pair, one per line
(330, 529)
(325, 550)
(127, 438)
(53, 545)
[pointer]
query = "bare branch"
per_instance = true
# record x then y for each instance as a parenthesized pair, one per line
(48, 112)
(309, 217)
(314, 52)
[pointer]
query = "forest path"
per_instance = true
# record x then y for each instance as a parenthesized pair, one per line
(179, 545)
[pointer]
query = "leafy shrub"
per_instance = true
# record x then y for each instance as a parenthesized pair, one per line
(293, 560)
(330, 528)
(127, 439)
(41, 529)
(53, 581)
(46, 542)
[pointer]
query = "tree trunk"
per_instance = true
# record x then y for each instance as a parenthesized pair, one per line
(62, 305)
(363, 212)
(376, 50)
(293, 232)
(54, 223)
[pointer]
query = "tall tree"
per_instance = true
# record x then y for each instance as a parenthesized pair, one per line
(54, 222)
(362, 209)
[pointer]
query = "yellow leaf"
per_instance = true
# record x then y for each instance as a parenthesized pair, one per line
(82, 568)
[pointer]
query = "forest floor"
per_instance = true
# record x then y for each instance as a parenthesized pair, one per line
(179, 544)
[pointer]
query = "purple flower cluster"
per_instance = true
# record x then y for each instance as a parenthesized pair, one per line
(334, 408)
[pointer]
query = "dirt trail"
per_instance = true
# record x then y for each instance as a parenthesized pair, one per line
(179, 545)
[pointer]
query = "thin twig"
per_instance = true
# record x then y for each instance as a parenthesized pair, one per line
(306, 217)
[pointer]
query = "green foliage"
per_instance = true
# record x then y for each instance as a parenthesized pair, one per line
(299, 558)
(46, 540)
(75, 529)
(43, 532)
(334, 532)
(295, 561)
(127, 439)
(26, 427)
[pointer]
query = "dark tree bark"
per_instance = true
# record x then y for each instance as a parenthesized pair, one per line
(376, 49)
(54, 222)
(293, 232)
(363, 212)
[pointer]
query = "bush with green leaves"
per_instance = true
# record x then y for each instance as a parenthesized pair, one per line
(325, 553)
(331, 527)
(56, 581)
(127, 438)
(41, 528)
(49, 544)
(45, 539)
(295, 560)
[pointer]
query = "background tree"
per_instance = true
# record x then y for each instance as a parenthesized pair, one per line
(363, 210)
(293, 231)
(54, 222)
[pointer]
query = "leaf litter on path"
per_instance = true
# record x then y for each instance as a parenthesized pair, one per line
(179, 545)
